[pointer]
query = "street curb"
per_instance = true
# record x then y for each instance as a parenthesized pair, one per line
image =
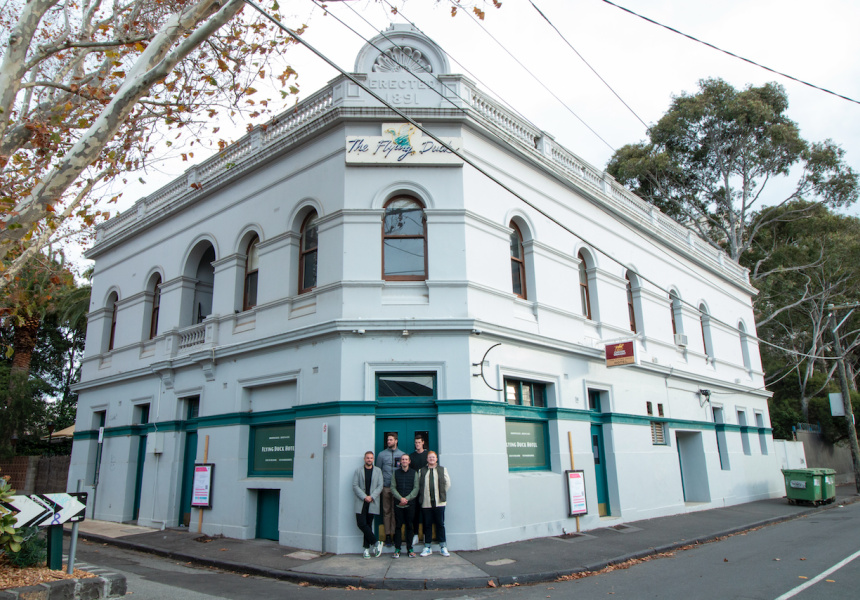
(341, 581)
(112, 585)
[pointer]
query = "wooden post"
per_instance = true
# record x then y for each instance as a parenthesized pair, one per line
(572, 467)
(200, 510)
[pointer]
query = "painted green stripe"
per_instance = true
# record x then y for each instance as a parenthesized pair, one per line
(411, 408)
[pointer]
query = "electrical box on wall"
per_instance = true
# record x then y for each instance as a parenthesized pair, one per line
(155, 442)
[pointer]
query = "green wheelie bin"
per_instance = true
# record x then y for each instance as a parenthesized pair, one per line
(828, 485)
(802, 485)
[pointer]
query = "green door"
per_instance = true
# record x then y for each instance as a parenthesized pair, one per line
(600, 470)
(141, 457)
(268, 510)
(406, 429)
(138, 479)
(187, 478)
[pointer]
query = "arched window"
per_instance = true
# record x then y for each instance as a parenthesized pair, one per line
(518, 263)
(404, 240)
(156, 306)
(252, 264)
(705, 321)
(745, 351)
(672, 300)
(308, 254)
(631, 309)
(584, 291)
(111, 306)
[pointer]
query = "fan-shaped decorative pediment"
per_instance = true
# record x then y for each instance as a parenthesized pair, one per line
(398, 47)
(402, 58)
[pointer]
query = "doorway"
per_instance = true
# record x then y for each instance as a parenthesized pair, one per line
(600, 478)
(694, 468)
(186, 476)
(268, 512)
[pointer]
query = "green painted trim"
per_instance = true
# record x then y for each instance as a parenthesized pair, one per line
(416, 408)
(467, 406)
(343, 408)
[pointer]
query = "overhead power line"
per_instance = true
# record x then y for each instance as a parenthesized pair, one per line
(489, 176)
(732, 54)
(535, 77)
(593, 70)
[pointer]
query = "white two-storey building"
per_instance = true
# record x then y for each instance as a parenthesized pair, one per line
(340, 274)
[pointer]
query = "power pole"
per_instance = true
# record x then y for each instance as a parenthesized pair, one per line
(846, 395)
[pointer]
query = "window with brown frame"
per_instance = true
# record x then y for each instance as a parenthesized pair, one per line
(674, 305)
(584, 294)
(112, 300)
(404, 240)
(252, 265)
(518, 263)
(308, 254)
(156, 307)
(631, 310)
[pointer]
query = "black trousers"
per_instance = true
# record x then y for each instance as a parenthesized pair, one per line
(364, 520)
(403, 516)
(434, 516)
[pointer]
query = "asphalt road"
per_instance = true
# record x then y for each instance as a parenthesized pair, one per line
(821, 551)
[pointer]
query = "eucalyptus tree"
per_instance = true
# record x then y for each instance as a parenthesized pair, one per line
(711, 161)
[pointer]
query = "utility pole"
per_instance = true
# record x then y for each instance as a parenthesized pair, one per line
(846, 396)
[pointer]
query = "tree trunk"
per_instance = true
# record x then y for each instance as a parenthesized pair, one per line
(23, 344)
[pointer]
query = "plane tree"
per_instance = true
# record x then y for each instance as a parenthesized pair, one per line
(91, 90)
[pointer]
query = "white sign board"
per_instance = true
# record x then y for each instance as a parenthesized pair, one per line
(402, 144)
(576, 493)
(325, 435)
(201, 493)
(837, 408)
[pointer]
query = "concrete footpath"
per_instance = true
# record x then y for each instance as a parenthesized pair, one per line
(538, 560)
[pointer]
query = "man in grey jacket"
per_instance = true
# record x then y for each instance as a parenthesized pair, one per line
(367, 486)
(389, 461)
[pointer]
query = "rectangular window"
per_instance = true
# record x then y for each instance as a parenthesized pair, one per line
(406, 385)
(527, 445)
(719, 426)
(594, 400)
(658, 433)
(192, 407)
(745, 434)
(762, 436)
(272, 451)
(525, 393)
(141, 416)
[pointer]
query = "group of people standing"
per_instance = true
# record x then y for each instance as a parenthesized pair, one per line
(412, 489)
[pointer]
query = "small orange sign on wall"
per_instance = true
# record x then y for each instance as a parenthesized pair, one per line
(620, 354)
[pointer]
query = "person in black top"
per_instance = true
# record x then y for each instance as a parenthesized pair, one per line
(404, 489)
(418, 461)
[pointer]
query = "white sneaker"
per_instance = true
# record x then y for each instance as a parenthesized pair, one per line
(444, 551)
(377, 549)
(427, 551)
(367, 553)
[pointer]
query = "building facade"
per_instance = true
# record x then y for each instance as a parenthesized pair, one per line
(340, 274)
